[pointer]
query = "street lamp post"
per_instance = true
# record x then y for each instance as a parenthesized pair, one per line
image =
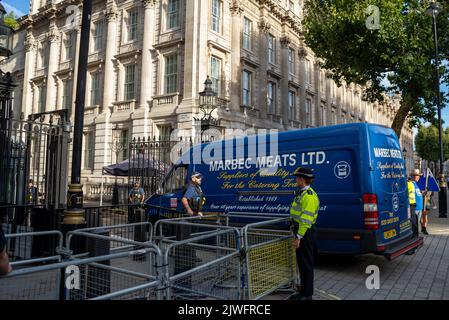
(404, 154)
(433, 10)
(74, 214)
(209, 101)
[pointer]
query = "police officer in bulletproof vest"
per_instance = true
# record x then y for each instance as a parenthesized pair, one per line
(193, 199)
(303, 213)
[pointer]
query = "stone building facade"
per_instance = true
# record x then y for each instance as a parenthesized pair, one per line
(148, 60)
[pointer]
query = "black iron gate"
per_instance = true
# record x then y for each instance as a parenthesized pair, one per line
(34, 149)
(151, 159)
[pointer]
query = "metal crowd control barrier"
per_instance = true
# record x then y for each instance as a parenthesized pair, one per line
(187, 258)
(266, 257)
(206, 266)
(127, 270)
(83, 280)
(26, 246)
(140, 232)
(270, 261)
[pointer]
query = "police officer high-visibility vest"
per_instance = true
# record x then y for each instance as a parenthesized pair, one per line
(411, 192)
(304, 210)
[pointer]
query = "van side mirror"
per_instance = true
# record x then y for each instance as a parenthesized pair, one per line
(159, 190)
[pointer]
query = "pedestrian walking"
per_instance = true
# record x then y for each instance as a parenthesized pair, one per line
(427, 206)
(415, 200)
(304, 212)
(5, 267)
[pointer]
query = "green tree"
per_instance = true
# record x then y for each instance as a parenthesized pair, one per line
(11, 20)
(400, 48)
(427, 146)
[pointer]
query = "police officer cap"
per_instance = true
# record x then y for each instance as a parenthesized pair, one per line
(304, 172)
(196, 174)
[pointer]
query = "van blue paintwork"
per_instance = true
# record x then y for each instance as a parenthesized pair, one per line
(349, 161)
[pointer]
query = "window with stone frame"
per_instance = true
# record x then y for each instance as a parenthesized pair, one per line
(120, 144)
(165, 131)
(323, 115)
(173, 11)
(44, 54)
(171, 73)
(132, 24)
(69, 45)
(334, 116)
(271, 49)
(247, 32)
(215, 74)
(67, 88)
(308, 112)
(98, 35)
(89, 149)
(291, 61)
(246, 87)
(291, 105)
(95, 89)
(271, 97)
(42, 96)
(309, 72)
(130, 82)
(217, 6)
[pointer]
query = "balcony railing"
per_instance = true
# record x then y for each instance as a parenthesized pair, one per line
(40, 72)
(92, 110)
(124, 106)
(65, 65)
(166, 99)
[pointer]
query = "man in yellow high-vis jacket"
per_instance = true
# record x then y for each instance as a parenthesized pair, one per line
(304, 212)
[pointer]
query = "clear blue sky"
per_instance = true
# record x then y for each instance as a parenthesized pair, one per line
(22, 7)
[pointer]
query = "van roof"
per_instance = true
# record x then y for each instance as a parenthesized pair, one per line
(335, 130)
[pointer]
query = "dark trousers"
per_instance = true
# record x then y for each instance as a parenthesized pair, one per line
(305, 261)
(414, 218)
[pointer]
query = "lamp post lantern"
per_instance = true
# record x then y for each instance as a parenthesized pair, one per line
(209, 101)
(433, 10)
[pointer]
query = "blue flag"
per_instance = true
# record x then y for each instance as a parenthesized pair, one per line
(432, 183)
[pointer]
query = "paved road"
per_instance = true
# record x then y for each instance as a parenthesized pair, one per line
(423, 275)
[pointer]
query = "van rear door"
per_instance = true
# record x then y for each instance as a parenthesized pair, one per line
(390, 186)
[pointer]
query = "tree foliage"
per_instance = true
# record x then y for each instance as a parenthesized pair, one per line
(401, 50)
(427, 145)
(11, 20)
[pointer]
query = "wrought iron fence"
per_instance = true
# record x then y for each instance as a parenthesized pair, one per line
(34, 149)
(151, 159)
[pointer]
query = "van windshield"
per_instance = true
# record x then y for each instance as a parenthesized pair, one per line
(175, 180)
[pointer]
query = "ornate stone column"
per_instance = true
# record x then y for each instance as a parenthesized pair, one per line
(148, 39)
(236, 11)
(264, 28)
(108, 87)
(102, 121)
(30, 62)
(285, 45)
(302, 54)
(53, 63)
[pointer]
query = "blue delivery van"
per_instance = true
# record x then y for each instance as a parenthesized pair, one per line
(360, 180)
